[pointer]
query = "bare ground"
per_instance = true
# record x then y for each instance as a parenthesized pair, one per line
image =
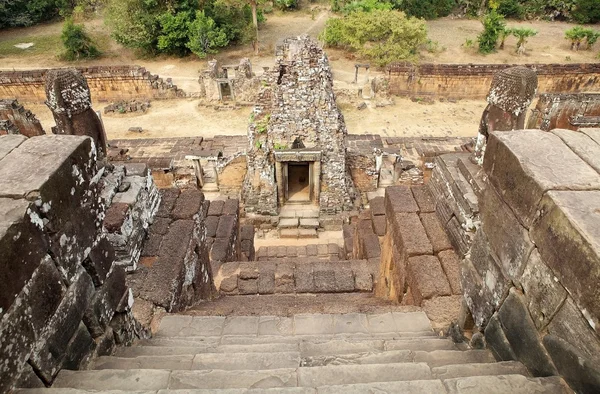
(178, 118)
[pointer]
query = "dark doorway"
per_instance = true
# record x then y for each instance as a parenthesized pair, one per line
(298, 182)
(225, 91)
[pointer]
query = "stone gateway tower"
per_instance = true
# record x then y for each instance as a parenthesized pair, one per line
(297, 147)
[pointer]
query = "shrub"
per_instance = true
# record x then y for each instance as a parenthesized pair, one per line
(78, 45)
(204, 36)
(587, 11)
(286, 4)
(511, 9)
(578, 34)
(428, 9)
(493, 25)
(173, 37)
(522, 34)
(383, 36)
(366, 6)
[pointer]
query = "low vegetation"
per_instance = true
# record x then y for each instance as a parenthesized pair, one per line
(579, 35)
(78, 45)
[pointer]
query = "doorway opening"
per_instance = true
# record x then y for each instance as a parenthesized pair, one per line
(298, 182)
(225, 90)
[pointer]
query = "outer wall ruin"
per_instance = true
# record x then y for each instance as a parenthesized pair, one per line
(565, 111)
(472, 81)
(107, 83)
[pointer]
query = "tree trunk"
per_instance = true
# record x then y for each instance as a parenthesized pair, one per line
(255, 23)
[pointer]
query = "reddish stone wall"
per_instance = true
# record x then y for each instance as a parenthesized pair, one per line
(107, 83)
(565, 111)
(472, 81)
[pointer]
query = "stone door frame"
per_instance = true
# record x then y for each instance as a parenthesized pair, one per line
(312, 157)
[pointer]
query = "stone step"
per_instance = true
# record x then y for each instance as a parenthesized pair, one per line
(309, 223)
(300, 324)
(350, 346)
(473, 174)
(513, 384)
(480, 369)
(191, 347)
(223, 361)
(285, 223)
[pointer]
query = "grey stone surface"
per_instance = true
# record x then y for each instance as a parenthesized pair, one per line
(346, 374)
(304, 278)
(388, 357)
(246, 361)
(507, 238)
(341, 347)
(313, 324)
(523, 336)
(241, 325)
(544, 294)
(113, 380)
(583, 146)
(204, 326)
(407, 387)
(528, 163)
(570, 226)
(516, 384)
(581, 373)
(423, 344)
(438, 358)
(275, 325)
(426, 278)
(215, 379)
(10, 142)
(350, 323)
(479, 369)
(176, 362)
(497, 342)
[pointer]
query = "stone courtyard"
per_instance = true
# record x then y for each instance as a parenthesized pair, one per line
(299, 258)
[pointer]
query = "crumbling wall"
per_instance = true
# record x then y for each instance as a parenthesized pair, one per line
(418, 265)
(62, 299)
(296, 109)
(107, 83)
(471, 81)
(242, 81)
(223, 233)
(565, 111)
(231, 176)
(531, 276)
(22, 120)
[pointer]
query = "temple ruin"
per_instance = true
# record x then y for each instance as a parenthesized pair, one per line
(298, 257)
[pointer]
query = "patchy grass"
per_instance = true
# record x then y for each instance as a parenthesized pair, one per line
(49, 45)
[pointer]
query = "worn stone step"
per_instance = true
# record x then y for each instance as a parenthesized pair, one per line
(403, 387)
(177, 326)
(513, 384)
(480, 369)
(438, 358)
(288, 223)
(306, 233)
(473, 174)
(218, 379)
(111, 379)
(288, 233)
(223, 361)
(350, 374)
(389, 357)
(309, 223)
(172, 347)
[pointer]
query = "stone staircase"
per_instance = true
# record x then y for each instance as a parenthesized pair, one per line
(298, 222)
(391, 352)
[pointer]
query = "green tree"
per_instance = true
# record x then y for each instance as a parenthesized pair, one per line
(204, 36)
(504, 34)
(576, 35)
(522, 34)
(384, 36)
(428, 9)
(134, 23)
(591, 36)
(254, 7)
(173, 37)
(78, 45)
(493, 25)
(587, 11)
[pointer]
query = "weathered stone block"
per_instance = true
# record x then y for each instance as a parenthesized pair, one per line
(284, 278)
(220, 250)
(569, 225)
(544, 294)
(51, 347)
(105, 302)
(188, 204)
(507, 238)
(325, 278)
(523, 336)
(583, 146)
(247, 232)
(399, 199)
(581, 374)
(249, 270)
(527, 163)
(426, 278)
(572, 326)
(100, 260)
(436, 233)
(160, 226)
(216, 208)
(344, 277)
(10, 142)
(266, 278)
(477, 296)
(371, 246)
(497, 342)
(248, 286)
(311, 250)
(168, 199)
(423, 197)
(211, 223)
(451, 267)
(410, 235)
(231, 207)
(304, 279)
(363, 278)
(379, 225)
(115, 217)
(226, 227)
(377, 206)
(79, 349)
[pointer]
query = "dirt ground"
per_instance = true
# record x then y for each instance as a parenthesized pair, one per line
(178, 118)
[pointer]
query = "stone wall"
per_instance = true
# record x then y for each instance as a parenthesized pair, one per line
(472, 81)
(531, 276)
(14, 119)
(565, 111)
(418, 265)
(62, 298)
(107, 83)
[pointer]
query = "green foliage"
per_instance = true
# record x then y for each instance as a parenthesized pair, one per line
(366, 6)
(78, 44)
(522, 34)
(504, 34)
(258, 144)
(134, 23)
(428, 9)
(384, 36)
(587, 11)
(204, 36)
(173, 37)
(578, 34)
(493, 25)
(286, 4)
(262, 124)
(511, 9)
(278, 146)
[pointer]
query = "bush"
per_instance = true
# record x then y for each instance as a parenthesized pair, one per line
(286, 4)
(428, 9)
(522, 34)
(493, 25)
(383, 36)
(578, 34)
(205, 36)
(78, 44)
(511, 9)
(587, 11)
(173, 35)
(366, 6)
